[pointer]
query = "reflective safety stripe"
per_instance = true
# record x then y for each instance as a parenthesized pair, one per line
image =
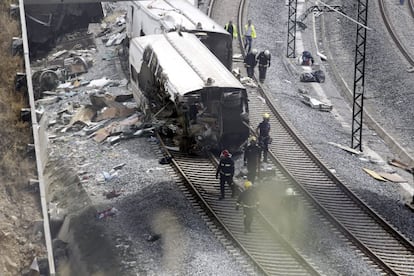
(226, 174)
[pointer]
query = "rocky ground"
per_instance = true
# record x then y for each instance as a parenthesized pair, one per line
(149, 229)
(389, 95)
(21, 227)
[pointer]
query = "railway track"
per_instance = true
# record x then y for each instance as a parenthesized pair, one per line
(409, 56)
(383, 244)
(411, 7)
(269, 251)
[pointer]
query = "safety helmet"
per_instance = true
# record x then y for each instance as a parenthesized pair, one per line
(247, 184)
(266, 116)
(254, 51)
(225, 153)
(253, 139)
(266, 52)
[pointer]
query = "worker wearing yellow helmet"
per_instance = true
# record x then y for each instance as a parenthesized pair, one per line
(248, 199)
(263, 131)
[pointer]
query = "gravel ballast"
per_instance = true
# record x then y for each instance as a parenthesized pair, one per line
(155, 231)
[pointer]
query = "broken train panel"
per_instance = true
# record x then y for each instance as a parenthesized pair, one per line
(45, 22)
(174, 75)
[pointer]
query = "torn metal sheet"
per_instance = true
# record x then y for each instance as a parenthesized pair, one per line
(131, 120)
(47, 100)
(374, 174)
(105, 100)
(101, 134)
(393, 177)
(83, 115)
(351, 150)
(113, 112)
(76, 65)
(316, 104)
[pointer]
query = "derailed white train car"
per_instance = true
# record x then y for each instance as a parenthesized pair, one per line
(155, 17)
(176, 74)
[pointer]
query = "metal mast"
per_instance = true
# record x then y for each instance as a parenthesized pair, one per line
(291, 41)
(359, 75)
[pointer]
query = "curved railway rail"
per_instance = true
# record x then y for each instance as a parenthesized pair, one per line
(269, 251)
(411, 7)
(380, 241)
(393, 33)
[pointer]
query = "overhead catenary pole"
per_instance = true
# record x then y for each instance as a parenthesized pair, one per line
(359, 71)
(291, 39)
(359, 75)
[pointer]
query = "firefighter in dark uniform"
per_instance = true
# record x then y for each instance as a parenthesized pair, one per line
(249, 200)
(226, 171)
(264, 62)
(250, 62)
(263, 131)
(252, 159)
(231, 28)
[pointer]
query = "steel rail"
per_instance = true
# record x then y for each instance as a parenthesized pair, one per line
(267, 249)
(285, 260)
(409, 57)
(346, 210)
(411, 7)
(352, 215)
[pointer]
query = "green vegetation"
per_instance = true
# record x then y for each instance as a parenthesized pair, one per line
(14, 134)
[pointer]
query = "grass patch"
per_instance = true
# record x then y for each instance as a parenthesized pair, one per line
(14, 134)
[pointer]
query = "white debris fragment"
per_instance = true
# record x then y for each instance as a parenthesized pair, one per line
(66, 85)
(99, 83)
(316, 104)
(322, 56)
(248, 81)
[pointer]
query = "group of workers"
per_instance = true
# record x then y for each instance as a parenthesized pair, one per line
(252, 156)
(248, 198)
(252, 57)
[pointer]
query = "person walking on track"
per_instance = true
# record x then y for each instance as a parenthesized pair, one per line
(252, 159)
(249, 35)
(250, 62)
(225, 169)
(264, 62)
(231, 28)
(263, 131)
(249, 200)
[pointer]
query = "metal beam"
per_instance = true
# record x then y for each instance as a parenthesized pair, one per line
(317, 9)
(359, 75)
(291, 39)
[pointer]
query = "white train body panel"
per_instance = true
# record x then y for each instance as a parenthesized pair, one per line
(176, 71)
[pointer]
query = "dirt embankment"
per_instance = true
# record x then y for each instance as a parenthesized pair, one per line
(21, 228)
